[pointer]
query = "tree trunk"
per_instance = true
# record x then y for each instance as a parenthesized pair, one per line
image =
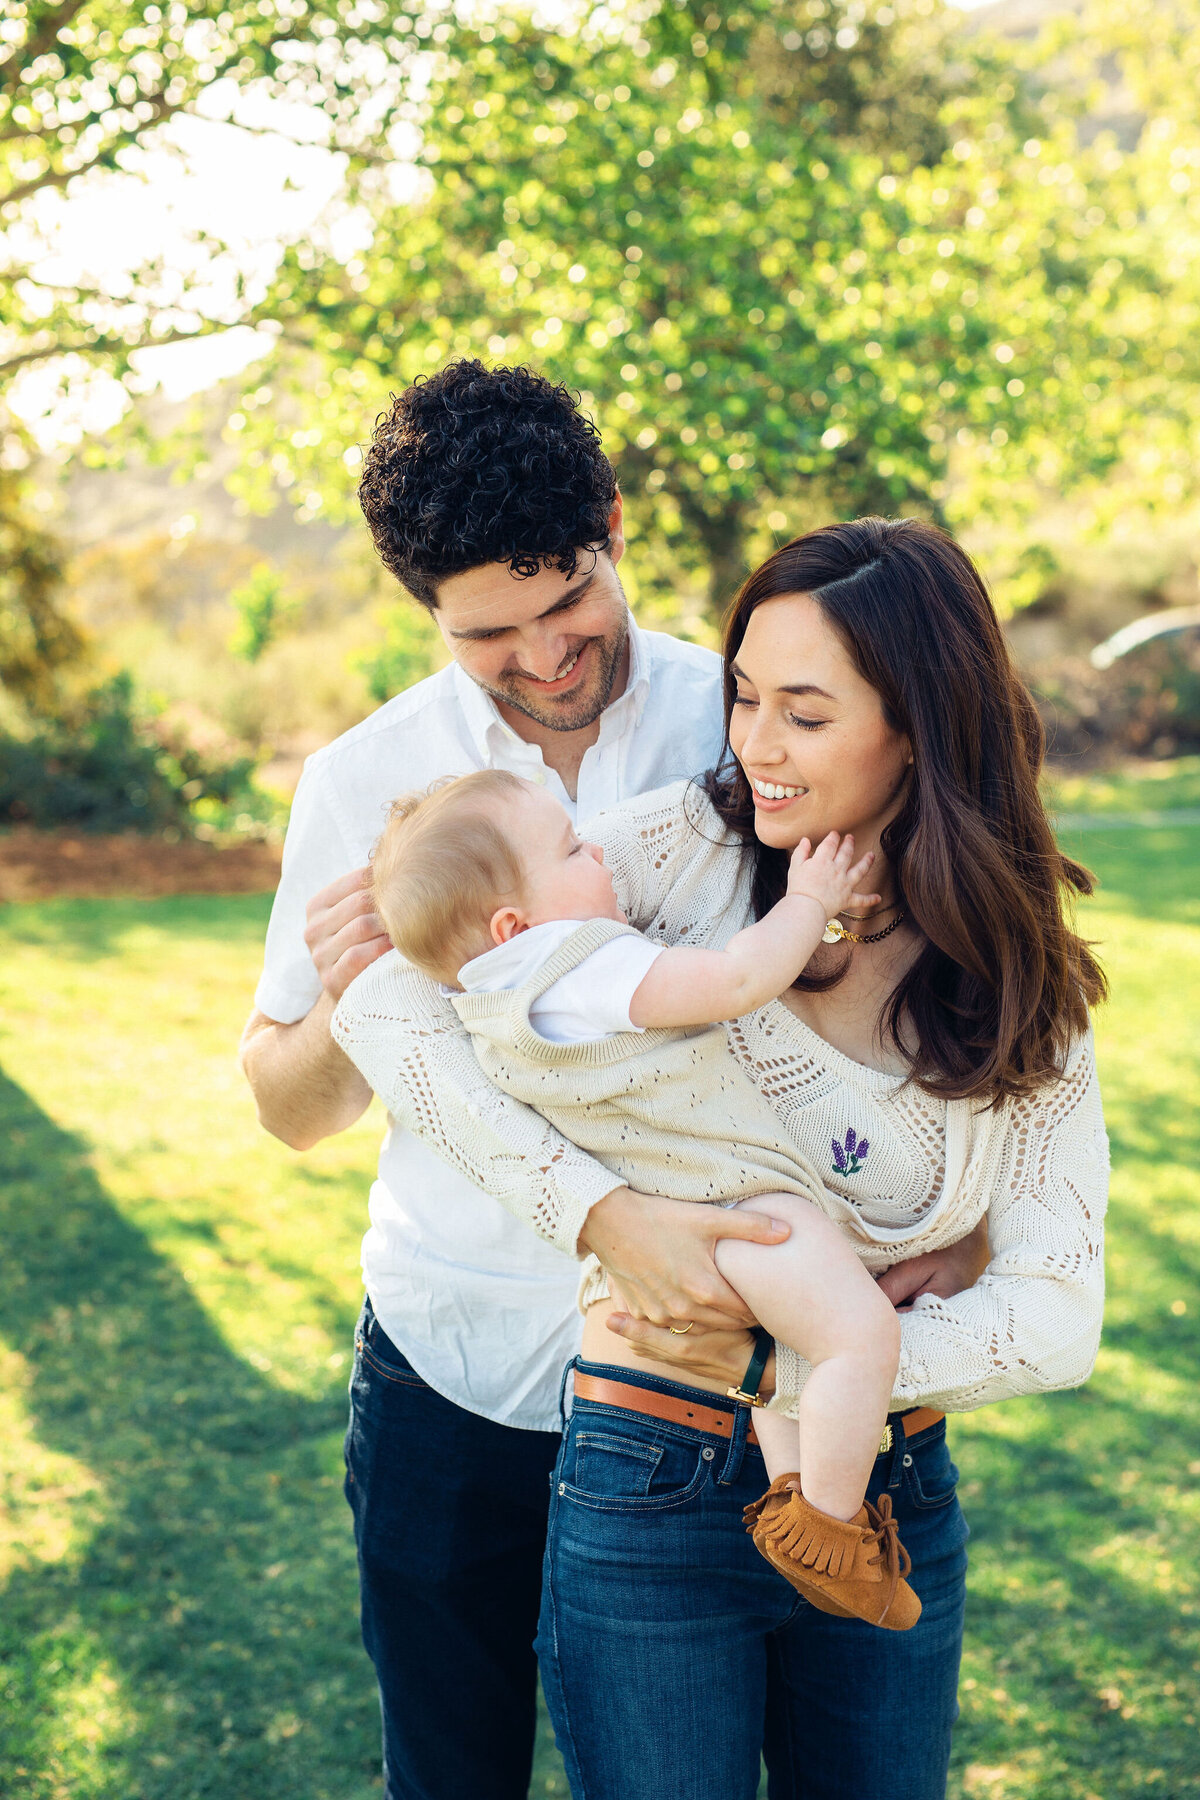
(723, 536)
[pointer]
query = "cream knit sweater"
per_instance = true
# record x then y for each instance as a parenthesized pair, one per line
(668, 1111)
(918, 1173)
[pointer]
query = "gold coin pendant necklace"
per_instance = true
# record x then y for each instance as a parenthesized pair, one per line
(835, 932)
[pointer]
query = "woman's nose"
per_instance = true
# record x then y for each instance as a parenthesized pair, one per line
(761, 743)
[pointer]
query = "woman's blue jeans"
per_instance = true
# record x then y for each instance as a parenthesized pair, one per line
(671, 1653)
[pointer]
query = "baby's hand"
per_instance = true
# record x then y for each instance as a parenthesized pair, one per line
(830, 875)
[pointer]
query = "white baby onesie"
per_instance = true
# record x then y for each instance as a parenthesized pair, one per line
(589, 1002)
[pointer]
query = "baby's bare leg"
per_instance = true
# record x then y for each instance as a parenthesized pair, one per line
(813, 1294)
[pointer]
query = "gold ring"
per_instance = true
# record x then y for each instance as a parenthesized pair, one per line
(680, 1330)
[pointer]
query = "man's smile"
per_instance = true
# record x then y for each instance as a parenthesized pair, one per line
(558, 682)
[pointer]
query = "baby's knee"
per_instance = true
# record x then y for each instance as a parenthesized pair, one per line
(737, 1253)
(881, 1326)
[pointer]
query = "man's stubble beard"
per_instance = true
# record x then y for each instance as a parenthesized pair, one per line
(577, 711)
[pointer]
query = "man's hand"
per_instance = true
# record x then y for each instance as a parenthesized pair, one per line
(344, 933)
(944, 1272)
(659, 1253)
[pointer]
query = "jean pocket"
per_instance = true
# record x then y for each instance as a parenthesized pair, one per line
(612, 1472)
(613, 1467)
(376, 1352)
(932, 1477)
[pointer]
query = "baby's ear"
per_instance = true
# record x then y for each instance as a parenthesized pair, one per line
(507, 921)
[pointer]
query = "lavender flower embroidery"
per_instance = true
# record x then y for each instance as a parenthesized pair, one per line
(848, 1158)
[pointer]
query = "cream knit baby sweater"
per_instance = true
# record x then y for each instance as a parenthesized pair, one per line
(916, 1172)
(669, 1111)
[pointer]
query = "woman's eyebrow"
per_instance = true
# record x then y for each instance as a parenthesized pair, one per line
(803, 687)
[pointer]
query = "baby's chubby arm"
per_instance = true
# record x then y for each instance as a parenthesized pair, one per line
(687, 986)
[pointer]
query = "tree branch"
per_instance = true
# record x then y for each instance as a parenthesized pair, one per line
(57, 178)
(163, 109)
(43, 39)
(118, 346)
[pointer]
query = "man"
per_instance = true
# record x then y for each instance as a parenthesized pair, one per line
(489, 497)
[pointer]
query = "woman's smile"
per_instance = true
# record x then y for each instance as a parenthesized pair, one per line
(773, 796)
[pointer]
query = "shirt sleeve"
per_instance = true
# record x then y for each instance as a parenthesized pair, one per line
(594, 999)
(315, 852)
(404, 1036)
(1031, 1323)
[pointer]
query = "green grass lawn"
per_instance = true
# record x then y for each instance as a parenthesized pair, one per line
(176, 1300)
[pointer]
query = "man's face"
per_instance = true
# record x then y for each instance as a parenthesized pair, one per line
(552, 647)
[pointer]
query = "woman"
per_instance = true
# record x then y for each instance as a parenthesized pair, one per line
(937, 1063)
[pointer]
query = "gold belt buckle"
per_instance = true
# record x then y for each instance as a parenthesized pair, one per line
(885, 1442)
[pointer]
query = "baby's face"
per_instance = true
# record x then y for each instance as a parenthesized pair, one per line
(565, 878)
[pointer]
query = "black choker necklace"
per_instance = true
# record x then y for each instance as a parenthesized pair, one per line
(836, 933)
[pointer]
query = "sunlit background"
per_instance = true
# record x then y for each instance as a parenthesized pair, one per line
(801, 261)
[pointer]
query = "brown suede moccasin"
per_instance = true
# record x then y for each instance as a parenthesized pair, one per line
(853, 1567)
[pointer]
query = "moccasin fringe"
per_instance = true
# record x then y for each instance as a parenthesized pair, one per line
(806, 1542)
(818, 1554)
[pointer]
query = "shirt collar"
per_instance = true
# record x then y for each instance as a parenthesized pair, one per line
(637, 688)
(482, 716)
(487, 728)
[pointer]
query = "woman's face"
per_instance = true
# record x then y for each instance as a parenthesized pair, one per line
(810, 732)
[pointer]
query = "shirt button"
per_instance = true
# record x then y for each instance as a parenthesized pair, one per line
(538, 775)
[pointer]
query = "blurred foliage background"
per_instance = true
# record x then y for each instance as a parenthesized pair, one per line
(800, 260)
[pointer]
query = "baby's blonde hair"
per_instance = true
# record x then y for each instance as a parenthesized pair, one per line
(442, 867)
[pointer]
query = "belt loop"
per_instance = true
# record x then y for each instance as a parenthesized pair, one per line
(732, 1466)
(562, 1391)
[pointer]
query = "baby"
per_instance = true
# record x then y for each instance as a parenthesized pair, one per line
(483, 883)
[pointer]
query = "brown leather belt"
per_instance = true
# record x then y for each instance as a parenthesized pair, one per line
(718, 1420)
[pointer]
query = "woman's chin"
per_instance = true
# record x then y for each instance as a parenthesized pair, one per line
(777, 830)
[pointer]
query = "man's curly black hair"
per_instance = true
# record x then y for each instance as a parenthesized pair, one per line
(475, 465)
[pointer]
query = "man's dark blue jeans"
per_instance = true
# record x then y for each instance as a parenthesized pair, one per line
(450, 1520)
(672, 1653)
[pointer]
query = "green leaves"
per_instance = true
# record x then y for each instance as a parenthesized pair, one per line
(828, 257)
(776, 307)
(263, 610)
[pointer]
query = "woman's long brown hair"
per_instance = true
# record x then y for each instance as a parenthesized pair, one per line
(1002, 983)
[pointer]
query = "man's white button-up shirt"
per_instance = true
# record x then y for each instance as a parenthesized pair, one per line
(482, 1308)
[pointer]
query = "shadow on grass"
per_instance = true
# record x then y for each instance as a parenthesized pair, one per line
(213, 1599)
(85, 930)
(1092, 1654)
(1084, 1608)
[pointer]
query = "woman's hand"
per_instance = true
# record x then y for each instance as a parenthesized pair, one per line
(708, 1355)
(659, 1254)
